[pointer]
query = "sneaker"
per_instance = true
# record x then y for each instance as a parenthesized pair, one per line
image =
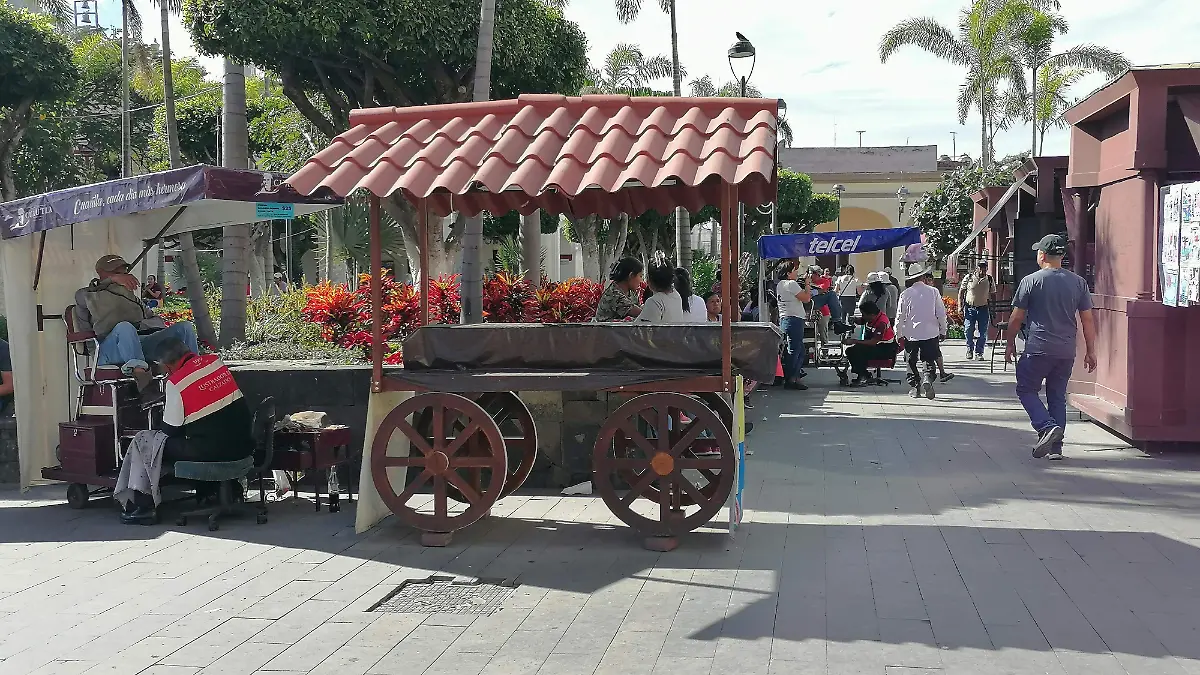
(1055, 455)
(705, 449)
(914, 392)
(979, 357)
(140, 516)
(927, 389)
(747, 404)
(1047, 440)
(946, 377)
(749, 428)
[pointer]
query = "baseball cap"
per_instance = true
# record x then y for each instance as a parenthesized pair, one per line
(1052, 244)
(111, 263)
(981, 263)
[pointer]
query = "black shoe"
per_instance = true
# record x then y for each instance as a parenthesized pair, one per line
(747, 404)
(139, 516)
(1047, 440)
(749, 427)
(946, 377)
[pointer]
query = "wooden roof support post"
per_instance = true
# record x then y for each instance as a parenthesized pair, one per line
(728, 305)
(423, 235)
(376, 297)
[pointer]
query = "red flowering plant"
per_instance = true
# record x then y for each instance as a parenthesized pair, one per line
(954, 315)
(173, 316)
(445, 299)
(507, 298)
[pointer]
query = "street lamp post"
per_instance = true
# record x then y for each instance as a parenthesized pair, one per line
(901, 198)
(838, 190)
(738, 53)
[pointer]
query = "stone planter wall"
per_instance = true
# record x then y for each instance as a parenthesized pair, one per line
(10, 463)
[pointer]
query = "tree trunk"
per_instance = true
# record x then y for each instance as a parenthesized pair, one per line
(236, 240)
(201, 318)
(1033, 118)
(260, 268)
(531, 246)
(126, 140)
(472, 277)
(589, 244)
(683, 229)
(983, 120)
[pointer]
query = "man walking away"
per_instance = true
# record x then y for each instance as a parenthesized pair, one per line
(973, 297)
(1047, 302)
(921, 321)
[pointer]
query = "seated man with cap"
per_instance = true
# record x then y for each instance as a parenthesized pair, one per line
(127, 329)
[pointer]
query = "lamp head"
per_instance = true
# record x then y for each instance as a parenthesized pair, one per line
(839, 189)
(902, 194)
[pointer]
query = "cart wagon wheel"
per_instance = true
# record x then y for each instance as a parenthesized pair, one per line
(705, 446)
(645, 439)
(516, 425)
(520, 435)
(461, 437)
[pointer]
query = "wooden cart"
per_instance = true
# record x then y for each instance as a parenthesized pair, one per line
(469, 437)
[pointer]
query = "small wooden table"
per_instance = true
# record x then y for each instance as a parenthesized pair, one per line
(316, 450)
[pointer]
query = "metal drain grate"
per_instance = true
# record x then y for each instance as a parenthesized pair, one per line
(446, 595)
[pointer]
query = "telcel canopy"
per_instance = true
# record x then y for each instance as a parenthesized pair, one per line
(72, 229)
(775, 246)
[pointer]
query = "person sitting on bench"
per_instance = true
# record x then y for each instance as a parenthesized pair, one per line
(878, 343)
(126, 328)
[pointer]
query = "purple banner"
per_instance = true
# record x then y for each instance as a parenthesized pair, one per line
(127, 196)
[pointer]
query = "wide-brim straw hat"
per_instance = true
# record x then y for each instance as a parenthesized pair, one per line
(917, 271)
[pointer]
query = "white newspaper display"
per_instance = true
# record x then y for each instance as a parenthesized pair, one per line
(1189, 248)
(1169, 245)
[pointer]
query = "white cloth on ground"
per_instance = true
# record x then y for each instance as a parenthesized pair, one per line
(142, 467)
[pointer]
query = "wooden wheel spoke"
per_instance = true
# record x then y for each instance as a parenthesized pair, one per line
(662, 431)
(638, 439)
(439, 496)
(464, 488)
(709, 475)
(704, 466)
(664, 501)
(439, 423)
(627, 464)
(404, 461)
(463, 436)
(415, 438)
(693, 432)
(635, 490)
(411, 488)
(469, 462)
(690, 488)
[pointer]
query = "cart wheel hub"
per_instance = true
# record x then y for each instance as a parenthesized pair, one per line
(663, 464)
(438, 463)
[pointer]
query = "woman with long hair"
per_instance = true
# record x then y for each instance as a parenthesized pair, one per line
(619, 300)
(693, 305)
(792, 315)
(666, 304)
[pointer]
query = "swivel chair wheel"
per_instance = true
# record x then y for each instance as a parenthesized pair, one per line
(261, 519)
(181, 521)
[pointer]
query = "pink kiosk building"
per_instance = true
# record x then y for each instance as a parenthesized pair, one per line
(1129, 139)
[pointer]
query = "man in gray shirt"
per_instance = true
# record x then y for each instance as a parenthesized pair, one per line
(1047, 302)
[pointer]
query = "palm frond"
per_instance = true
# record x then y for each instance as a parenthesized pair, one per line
(176, 6)
(60, 10)
(785, 134)
(655, 68)
(627, 10)
(560, 5)
(135, 21)
(1091, 57)
(702, 87)
(928, 34)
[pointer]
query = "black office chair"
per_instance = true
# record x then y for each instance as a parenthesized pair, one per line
(226, 474)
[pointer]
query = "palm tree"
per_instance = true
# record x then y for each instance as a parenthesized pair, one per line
(472, 274)
(235, 241)
(187, 248)
(1034, 46)
(983, 44)
(628, 11)
(703, 87)
(1052, 101)
(627, 70)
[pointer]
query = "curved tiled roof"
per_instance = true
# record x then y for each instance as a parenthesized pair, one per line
(578, 155)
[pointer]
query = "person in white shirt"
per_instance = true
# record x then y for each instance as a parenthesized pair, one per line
(792, 296)
(666, 305)
(847, 286)
(921, 321)
(694, 310)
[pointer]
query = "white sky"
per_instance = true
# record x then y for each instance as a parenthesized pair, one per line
(823, 59)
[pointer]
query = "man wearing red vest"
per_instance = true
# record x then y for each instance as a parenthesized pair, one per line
(205, 417)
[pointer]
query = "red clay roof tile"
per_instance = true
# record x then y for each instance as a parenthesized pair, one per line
(584, 155)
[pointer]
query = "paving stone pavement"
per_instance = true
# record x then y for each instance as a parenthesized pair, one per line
(883, 536)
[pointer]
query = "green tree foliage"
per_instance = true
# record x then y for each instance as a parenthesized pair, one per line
(947, 214)
(333, 56)
(799, 209)
(36, 69)
(824, 208)
(78, 140)
(367, 53)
